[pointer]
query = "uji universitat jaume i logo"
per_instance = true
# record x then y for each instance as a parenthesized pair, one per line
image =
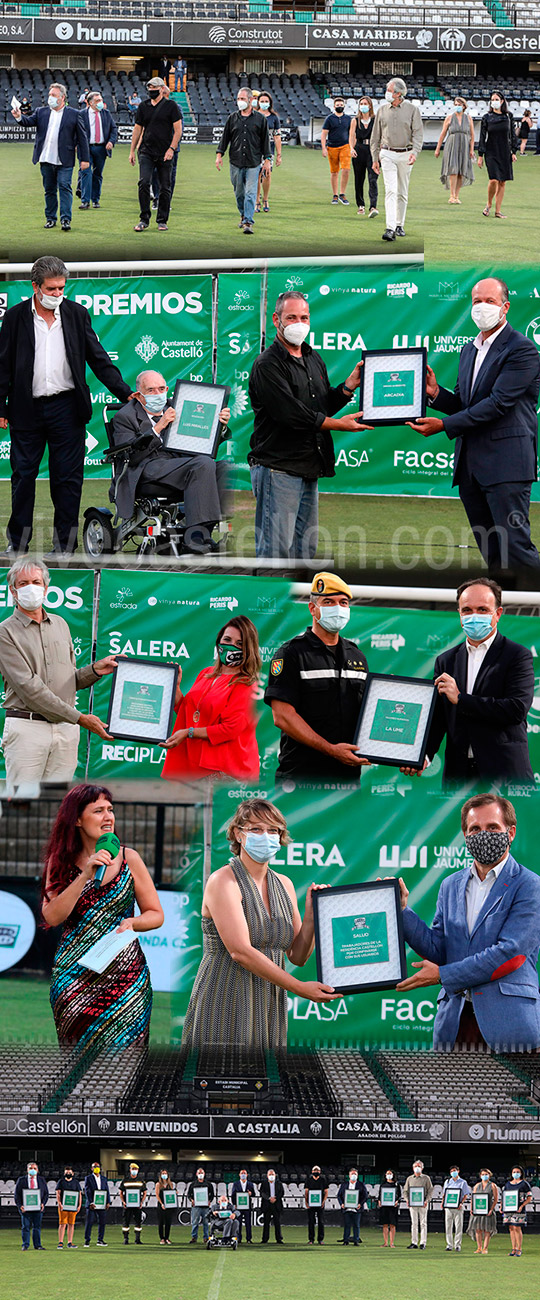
(146, 349)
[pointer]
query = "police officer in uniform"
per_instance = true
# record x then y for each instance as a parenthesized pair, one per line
(315, 688)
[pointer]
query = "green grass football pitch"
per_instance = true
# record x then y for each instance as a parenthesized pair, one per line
(294, 1270)
(302, 221)
(27, 1016)
(382, 536)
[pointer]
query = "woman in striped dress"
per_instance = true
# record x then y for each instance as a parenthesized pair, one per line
(111, 1010)
(250, 921)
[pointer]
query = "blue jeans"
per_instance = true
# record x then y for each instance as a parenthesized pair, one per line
(92, 1217)
(92, 177)
(199, 1215)
(286, 514)
(244, 183)
(57, 181)
(351, 1220)
(178, 78)
(31, 1223)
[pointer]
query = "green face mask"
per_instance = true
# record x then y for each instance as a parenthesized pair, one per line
(230, 655)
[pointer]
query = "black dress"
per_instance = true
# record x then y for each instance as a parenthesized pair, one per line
(498, 141)
(362, 164)
(388, 1214)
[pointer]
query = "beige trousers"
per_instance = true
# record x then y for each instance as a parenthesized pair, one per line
(38, 751)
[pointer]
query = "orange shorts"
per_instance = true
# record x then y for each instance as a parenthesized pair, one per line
(66, 1216)
(340, 158)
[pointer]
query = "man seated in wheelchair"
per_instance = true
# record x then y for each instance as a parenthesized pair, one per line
(223, 1222)
(153, 469)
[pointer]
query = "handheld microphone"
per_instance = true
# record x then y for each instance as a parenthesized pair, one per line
(110, 842)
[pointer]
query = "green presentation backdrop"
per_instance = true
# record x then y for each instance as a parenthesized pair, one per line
(71, 594)
(339, 838)
(168, 322)
(144, 322)
(178, 616)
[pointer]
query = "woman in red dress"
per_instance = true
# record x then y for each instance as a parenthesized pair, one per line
(214, 733)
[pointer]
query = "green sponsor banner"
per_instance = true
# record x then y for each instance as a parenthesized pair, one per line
(396, 827)
(238, 345)
(145, 322)
(177, 617)
(70, 594)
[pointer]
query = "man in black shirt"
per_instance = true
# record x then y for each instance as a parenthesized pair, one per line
(315, 1194)
(246, 136)
(291, 447)
(316, 684)
(159, 122)
(133, 1193)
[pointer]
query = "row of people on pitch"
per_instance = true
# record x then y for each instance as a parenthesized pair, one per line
(46, 342)
(391, 139)
(418, 1193)
(32, 1193)
(490, 418)
(485, 688)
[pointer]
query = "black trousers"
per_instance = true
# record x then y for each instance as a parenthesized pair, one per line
(361, 166)
(271, 1214)
(163, 170)
(164, 1218)
(499, 518)
(315, 1216)
(244, 1217)
(95, 1216)
(201, 480)
(132, 1212)
(57, 426)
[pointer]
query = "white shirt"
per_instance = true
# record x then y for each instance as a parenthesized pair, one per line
(49, 153)
(92, 119)
(482, 348)
(477, 890)
(52, 372)
(475, 658)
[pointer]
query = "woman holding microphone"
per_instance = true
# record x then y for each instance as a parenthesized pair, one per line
(90, 888)
(250, 922)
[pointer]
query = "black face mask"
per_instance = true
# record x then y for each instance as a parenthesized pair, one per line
(154, 94)
(341, 108)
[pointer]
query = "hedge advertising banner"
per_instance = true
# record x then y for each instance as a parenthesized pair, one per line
(340, 838)
(71, 594)
(144, 322)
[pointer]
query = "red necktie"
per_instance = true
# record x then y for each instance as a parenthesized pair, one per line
(97, 129)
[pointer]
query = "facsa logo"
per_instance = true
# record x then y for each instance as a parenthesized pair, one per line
(217, 35)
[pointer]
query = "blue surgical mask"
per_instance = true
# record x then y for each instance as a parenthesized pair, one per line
(484, 1178)
(477, 626)
(262, 845)
(454, 1173)
(155, 402)
(99, 106)
(334, 617)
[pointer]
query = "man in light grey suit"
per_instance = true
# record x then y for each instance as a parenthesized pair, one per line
(152, 468)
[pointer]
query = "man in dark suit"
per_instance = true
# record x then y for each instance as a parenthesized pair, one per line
(272, 1192)
(102, 133)
(485, 689)
(492, 414)
(140, 425)
(60, 134)
(45, 344)
(96, 1182)
(32, 1182)
(244, 1186)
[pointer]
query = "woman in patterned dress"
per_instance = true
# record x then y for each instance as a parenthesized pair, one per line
(483, 1226)
(111, 1010)
(250, 921)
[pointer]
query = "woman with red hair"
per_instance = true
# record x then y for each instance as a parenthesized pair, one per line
(110, 1010)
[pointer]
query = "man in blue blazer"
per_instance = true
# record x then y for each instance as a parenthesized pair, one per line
(95, 1182)
(31, 1181)
(243, 1184)
(102, 133)
(484, 942)
(60, 134)
(492, 415)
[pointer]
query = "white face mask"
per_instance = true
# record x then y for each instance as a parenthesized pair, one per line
(496, 103)
(486, 315)
(31, 596)
(200, 1177)
(53, 101)
(264, 105)
(242, 103)
(363, 110)
(296, 334)
(48, 301)
(417, 1169)
(388, 95)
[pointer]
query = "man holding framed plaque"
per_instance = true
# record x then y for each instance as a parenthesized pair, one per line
(352, 1196)
(455, 1193)
(315, 1194)
(98, 1200)
(200, 1194)
(133, 1193)
(69, 1201)
(418, 1191)
(242, 1195)
(142, 426)
(272, 1193)
(393, 385)
(31, 1196)
(315, 688)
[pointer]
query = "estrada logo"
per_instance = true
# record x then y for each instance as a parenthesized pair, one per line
(64, 31)
(387, 640)
(147, 348)
(452, 39)
(224, 602)
(404, 289)
(424, 38)
(533, 331)
(122, 599)
(217, 35)
(241, 301)
(294, 282)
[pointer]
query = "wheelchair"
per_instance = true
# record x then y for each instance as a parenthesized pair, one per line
(216, 1240)
(157, 525)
